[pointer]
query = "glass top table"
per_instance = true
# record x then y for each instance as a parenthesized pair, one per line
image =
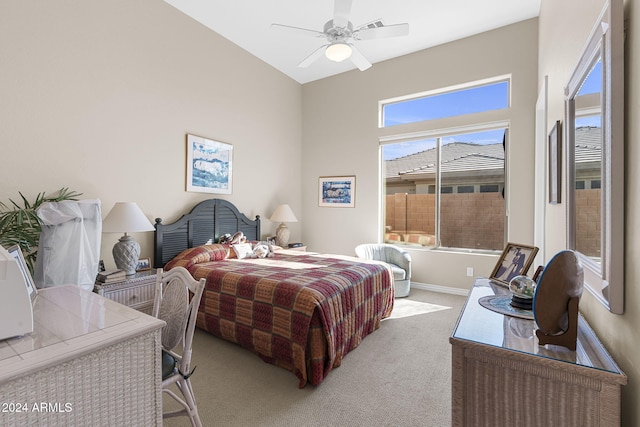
(481, 325)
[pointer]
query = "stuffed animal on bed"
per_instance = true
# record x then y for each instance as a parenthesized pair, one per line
(228, 239)
(224, 239)
(257, 250)
(263, 250)
(239, 237)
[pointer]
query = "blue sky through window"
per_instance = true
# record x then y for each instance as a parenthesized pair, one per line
(493, 96)
(489, 97)
(592, 84)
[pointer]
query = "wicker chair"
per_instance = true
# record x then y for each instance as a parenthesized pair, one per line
(176, 302)
(397, 258)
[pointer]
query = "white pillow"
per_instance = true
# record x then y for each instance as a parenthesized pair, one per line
(243, 250)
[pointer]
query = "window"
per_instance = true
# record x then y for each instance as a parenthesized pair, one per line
(469, 209)
(487, 97)
(489, 188)
(444, 188)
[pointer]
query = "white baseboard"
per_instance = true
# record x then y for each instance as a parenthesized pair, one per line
(438, 288)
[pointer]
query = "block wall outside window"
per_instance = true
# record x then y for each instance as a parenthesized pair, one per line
(588, 222)
(473, 220)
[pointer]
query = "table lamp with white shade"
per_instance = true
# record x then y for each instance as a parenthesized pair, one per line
(126, 217)
(282, 214)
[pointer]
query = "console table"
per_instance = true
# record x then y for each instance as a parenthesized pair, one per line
(89, 361)
(502, 377)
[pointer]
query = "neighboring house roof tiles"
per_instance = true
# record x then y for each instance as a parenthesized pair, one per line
(588, 144)
(456, 157)
(467, 156)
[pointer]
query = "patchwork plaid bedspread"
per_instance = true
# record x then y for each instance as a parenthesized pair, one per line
(303, 312)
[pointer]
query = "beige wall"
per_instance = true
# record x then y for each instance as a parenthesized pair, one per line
(341, 137)
(560, 47)
(99, 95)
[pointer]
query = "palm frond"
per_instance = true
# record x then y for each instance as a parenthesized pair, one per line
(20, 224)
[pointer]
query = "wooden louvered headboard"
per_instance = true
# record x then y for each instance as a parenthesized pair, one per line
(206, 222)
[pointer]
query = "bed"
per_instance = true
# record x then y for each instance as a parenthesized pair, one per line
(301, 311)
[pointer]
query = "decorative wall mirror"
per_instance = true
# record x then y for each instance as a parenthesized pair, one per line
(594, 130)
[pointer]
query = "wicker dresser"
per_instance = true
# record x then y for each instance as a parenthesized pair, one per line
(135, 291)
(88, 362)
(502, 377)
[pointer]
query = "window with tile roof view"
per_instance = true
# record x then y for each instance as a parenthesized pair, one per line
(447, 191)
(588, 165)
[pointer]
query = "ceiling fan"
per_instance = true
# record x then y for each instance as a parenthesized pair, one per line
(340, 34)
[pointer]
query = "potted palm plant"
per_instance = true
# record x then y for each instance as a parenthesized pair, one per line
(20, 225)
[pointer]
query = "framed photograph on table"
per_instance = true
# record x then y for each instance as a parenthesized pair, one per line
(337, 191)
(16, 253)
(514, 261)
(209, 165)
(144, 264)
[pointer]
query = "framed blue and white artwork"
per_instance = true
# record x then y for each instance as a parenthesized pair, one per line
(209, 165)
(337, 191)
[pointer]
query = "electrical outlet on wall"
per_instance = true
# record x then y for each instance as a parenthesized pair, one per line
(469, 271)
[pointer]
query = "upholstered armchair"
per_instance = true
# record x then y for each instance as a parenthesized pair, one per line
(397, 258)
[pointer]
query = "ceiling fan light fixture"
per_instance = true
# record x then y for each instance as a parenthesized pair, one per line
(338, 51)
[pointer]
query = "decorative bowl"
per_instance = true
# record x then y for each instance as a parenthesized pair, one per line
(522, 290)
(522, 287)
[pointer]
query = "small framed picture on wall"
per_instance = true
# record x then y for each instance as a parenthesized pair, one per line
(209, 165)
(337, 191)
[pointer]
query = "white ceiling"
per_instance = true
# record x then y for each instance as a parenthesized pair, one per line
(247, 23)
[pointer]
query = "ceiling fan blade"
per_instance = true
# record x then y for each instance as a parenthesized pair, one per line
(341, 12)
(396, 30)
(358, 59)
(313, 57)
(297, 30)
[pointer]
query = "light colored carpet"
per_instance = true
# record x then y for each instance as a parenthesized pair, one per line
(399, 376)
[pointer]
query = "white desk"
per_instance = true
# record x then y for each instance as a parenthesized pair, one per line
(89, 361)
(502, 377)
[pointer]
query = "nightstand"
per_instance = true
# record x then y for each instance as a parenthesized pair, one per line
(137, 291)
